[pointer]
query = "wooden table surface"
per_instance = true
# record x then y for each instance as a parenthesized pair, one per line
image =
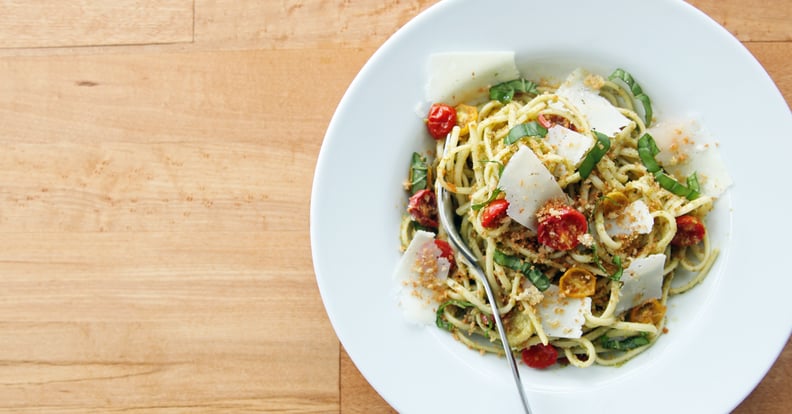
(156, 170)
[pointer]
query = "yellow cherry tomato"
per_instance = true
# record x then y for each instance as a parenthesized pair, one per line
(650, 312)
(465, 115)
(577, 282)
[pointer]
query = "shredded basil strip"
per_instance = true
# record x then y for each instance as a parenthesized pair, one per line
(440, 321)
(504, 91)
(597, 259)
(647, 149)
(594, 155)
(479, 206)
(636, 90)
(675, 186)
(693, 183)
(625, 344)
(418, 173)
(528, 129)
(539, 279)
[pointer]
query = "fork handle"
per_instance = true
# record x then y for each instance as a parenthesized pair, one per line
(502, 331)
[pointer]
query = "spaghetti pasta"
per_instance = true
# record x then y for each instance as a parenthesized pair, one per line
(630, 225)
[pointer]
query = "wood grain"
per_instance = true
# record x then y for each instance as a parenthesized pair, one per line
(153, 234)
(770, 22)
(42, 23)
(300, 23)
(157, 163)
(357, 396)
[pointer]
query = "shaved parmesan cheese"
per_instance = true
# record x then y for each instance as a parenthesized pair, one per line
(642, 281)
(562, 317)
(635, 218)
(686, 148)
(528, 185)
(602, 116)
(458, 77)
(569, 144)
(421, 262)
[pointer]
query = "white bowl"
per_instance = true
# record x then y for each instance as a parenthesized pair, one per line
(724, 335)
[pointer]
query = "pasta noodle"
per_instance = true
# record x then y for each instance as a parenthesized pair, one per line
(471, 169)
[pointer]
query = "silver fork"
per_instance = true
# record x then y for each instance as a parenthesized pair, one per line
(444, 207)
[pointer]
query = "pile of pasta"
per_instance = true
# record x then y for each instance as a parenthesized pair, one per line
(582, 276)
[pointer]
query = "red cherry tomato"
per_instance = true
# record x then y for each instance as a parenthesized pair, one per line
(549, 120)
(446, 251)
(690, 231)
(543, 121)
(422, 206)
(493, 213)
(441, 120)
(540, 356)
(560, 226)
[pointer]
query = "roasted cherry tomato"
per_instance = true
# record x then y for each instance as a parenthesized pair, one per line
(493, 213)
(446, 251)
(577, 282)
(650, 312)
(423, 208)
(441, 120)
(690, 231)
(560, 226)
(540, 356)
(543, 121)
(548, 120)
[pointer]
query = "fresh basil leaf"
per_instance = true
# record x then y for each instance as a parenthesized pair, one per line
(636, 91)
(440, 321)
(528, 129)
(624, 344)
(419, 171)
(479, 206)
(594, 155)
(504, 91)
(536, 276)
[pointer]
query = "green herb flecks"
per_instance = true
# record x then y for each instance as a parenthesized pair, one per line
(616, 262)
(619, 270)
